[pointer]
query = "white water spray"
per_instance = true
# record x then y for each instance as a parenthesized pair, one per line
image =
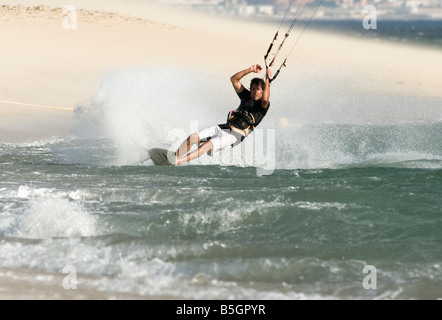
(318, 120)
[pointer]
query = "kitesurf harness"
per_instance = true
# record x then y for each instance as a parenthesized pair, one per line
(246, 117)
(239, 137)
(298, 13)
(244, 121)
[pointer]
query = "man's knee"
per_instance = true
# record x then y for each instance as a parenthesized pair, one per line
(209, 145)
(194, 138)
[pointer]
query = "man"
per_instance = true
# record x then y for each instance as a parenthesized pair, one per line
(253, 107)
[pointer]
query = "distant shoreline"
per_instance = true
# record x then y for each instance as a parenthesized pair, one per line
(422, 32)
(416, 31)
(411, 29)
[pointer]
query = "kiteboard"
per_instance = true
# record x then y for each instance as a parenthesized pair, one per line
(159, 157)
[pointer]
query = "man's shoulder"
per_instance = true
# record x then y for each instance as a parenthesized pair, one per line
(244, 94)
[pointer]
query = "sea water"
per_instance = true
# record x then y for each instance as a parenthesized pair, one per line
(337, 194)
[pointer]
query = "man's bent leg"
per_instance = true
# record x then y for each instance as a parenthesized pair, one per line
(205, 147)
(187, 144)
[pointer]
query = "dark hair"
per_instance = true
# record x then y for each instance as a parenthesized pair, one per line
(258, 81)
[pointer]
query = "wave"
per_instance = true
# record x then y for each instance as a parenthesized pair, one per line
(348, 145)
(45, 217)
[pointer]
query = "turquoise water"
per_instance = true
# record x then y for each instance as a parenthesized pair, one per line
(328, 187)
(220, 232)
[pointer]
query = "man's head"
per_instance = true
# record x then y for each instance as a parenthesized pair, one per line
(257, 88)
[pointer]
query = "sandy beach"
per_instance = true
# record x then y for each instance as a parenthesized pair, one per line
(47, 70)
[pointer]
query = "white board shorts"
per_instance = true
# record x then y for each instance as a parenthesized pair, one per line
(221, 139)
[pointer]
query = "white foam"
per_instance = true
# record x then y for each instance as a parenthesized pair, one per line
(320, 205)
(53, 217)
(35, 143)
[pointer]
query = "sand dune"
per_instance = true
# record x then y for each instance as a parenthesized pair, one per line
(46, 14)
